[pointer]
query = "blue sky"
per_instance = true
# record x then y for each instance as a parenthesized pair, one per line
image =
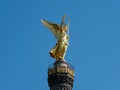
(94, 49)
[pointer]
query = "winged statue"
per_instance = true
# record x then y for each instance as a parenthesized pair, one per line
(58, 52)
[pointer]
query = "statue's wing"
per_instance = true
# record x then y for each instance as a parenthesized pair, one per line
(51, 26)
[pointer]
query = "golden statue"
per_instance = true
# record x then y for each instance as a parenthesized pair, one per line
(60, 32)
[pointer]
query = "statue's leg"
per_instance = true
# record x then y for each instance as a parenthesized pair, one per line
(60, 47)
(64, 51)
(60, 51)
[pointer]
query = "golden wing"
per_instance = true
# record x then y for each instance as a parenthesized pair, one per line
(51, 26)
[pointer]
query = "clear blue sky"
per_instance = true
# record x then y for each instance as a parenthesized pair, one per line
(94, 49)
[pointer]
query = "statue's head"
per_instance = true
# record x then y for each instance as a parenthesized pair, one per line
(65, 28)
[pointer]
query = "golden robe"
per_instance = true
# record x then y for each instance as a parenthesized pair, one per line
(59, 50)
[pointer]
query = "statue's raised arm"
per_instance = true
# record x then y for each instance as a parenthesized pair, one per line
(60, 32)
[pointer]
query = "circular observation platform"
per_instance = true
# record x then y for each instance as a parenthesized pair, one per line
(60, 75)
(61, 66)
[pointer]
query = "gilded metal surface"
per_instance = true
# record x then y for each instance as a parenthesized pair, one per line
(60, 32)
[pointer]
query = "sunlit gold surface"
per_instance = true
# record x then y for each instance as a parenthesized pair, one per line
(60, 32)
